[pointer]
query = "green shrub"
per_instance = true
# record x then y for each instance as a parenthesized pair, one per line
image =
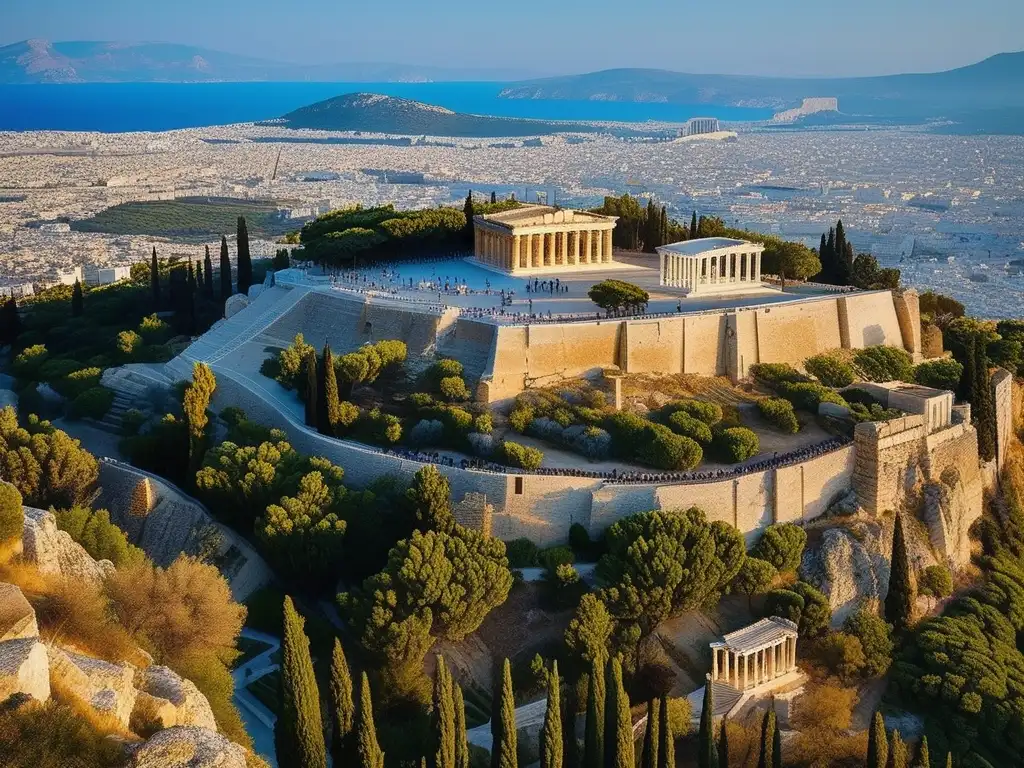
(102, 539)
(421, 399)
(772, 374)
(483, 424)
(520, 417)
(379, 427)
(579, 541)
(882, 363)
(27, 364)
(93, 403)
(55, 735)
(53, 370)
(875, 639)
(830, 370)
(618, 294)
(664, 449)
(12, 515)
(702, 410)
(521, 553)
(515, 455)
(779, 413)
(803, 604)
(807, 396)
(129, 343)
(77, 382)
(943, 373)
(782, 545)
(453, 388)
(348, 415)
(132, 421)
(843, 654)
(935, 581)
(552, 557)
(686, 425)
(736, 444)
(154, 330)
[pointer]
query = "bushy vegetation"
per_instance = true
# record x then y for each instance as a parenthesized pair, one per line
(55, 735)
(803, 604)
(779, 413)
(782, 545)
(638, 439)
(515, 455)
(12, 515)
(736, 444)
(102, 539)
(883, 363)
(46, 466)
(944, 373)
(615, 295)
(794, 386)
(830, 370)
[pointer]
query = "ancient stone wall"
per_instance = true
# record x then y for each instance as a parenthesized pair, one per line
(869, 318)
(1002, 388)
(908, 313)
(889, 463)
(790, 333)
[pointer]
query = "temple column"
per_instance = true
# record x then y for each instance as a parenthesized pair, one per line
(745, 665)
(714, 665)
(607, 246)
(586, 246)
(564, 250)
(487, 247)
(476, 243)
(598, 246)
(576, 247)
(757, 268)
(728, 677)
(509, 262)
(527, 249)
(516, 245)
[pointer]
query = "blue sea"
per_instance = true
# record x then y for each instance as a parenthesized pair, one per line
(120, 107)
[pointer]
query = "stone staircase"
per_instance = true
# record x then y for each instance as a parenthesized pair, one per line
(113, 419)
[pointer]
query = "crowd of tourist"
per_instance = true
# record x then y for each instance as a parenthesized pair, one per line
(616, 476)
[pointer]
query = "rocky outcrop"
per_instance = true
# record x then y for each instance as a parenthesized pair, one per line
(169, 700)
(950, 508)
(24, 669)
(17, 619)
(234, 305)
(55, 553)
(107, 688)
(188, 747)
(843, 569)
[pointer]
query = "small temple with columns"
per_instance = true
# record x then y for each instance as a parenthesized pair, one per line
(534, 239)
(711, 265)
(756, 655)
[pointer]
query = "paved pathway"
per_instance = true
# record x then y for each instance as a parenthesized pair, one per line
(259, 721)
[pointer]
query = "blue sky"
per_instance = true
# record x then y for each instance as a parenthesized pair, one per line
(770, 37)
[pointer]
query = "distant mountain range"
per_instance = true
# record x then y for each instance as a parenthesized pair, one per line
(40, 61)
(997, 83)
(374, 113)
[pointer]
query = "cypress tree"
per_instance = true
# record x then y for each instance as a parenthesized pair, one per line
(768, 728)
(776, 745)
(503, 724)
(923, 758)
(190, 298)
(649, 755)
(343, 711)
(154, 280)
(968, 379)
(842, 256)
(328, 404)
(443, 717)
(828, 259)
(593, 744)
(461, 742)
(878, 743)
(693, 225)
(208, 273)
(199, 276)
(551, 734)
(706, 735)
(244, 260)
(225, 269)
(983, 407)
(618, 724)
(312, 398)
(571, 754)
(494, 198)
(77, 300)
(467, 209)
(949, 760)
(897, 752)
(369, 754)
(664, 226)
(10, 321)
(666, 739)
(298, 732)
(899, 600)
(723, 746)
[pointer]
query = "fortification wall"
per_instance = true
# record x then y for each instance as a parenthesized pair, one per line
(653, 346)
(790, 333)
(702, 344)
(869, 319)
(908, 313)
(1002, 388)
(804, 491)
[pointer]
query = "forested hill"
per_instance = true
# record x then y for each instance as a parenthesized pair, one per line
(375, 113)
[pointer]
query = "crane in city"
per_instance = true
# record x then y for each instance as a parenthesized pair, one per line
(277, 161)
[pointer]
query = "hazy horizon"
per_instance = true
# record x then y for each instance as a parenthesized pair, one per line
(791, 38)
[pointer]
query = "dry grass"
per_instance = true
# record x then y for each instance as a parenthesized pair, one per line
(715, 389)
(105, 725)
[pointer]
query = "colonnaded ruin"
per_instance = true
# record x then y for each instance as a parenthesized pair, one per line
(931, 451)
(537, 239)
(711, 265)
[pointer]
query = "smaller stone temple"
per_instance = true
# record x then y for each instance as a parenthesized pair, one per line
(755, 655)
(711, 265)
(535, 239)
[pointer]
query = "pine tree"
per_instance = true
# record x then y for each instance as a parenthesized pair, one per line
(693, 225)
(618, 725)
(244, 260)
(503, 724)
(706, 735)
(768, 728)
(443, 717)
(593, 745)
(328, 404)
(666, 739)
(369, 754)
(298, 733)
(225, 269)
(343, 711)
(924, 760)
(649, 755)
(429, 497)
(208, 273)
(878, 743)
(312, 390)
(77, 300)
(154, 280)
(551, 733)
(897, 752)
(723, 746)
(899, 600)
(461, 742)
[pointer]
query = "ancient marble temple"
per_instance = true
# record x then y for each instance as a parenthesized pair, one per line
(536, 239)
